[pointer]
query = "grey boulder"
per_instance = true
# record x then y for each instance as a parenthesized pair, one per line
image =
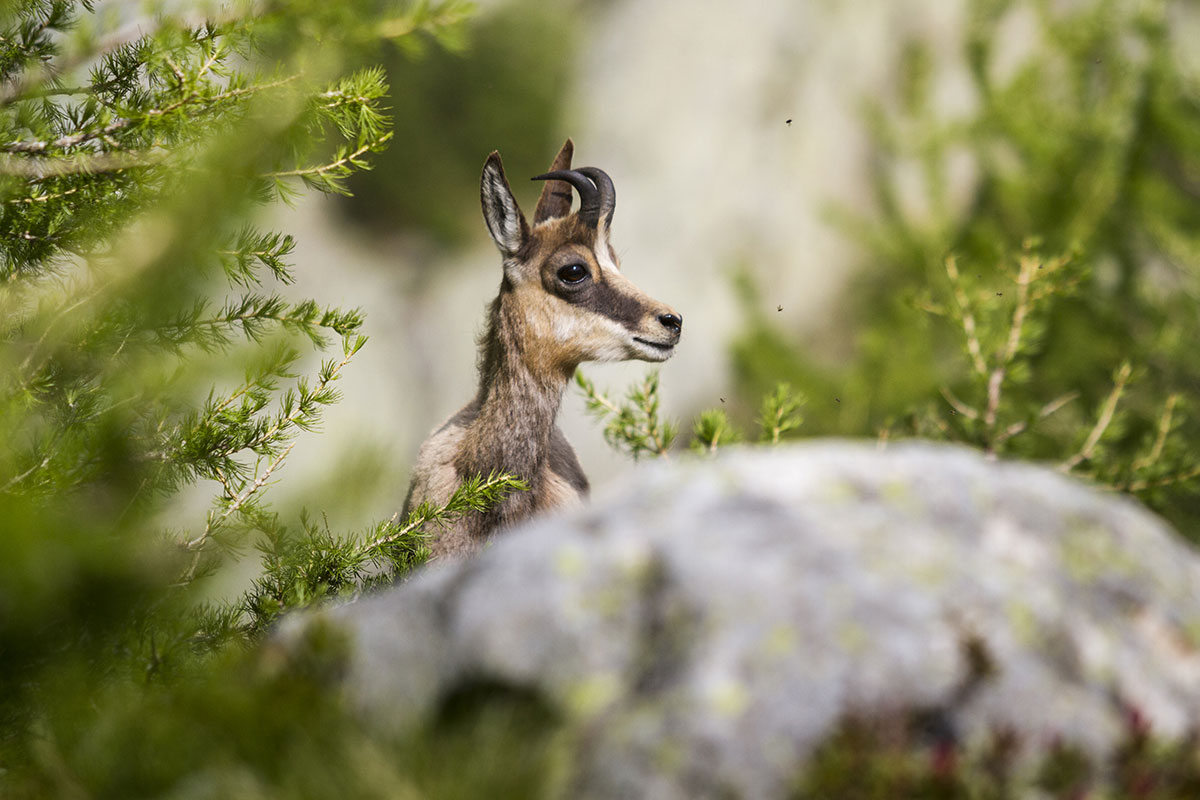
(705, 624)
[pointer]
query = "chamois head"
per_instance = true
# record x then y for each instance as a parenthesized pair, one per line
(563, 274)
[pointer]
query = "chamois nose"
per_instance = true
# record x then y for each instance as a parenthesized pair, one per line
(672, 322)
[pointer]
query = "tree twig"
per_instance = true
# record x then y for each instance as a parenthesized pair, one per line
(36, 146)
(321, 169)
(958, 405)
(1160, 439)
(196, 545)
(1157, 483)
(967, 316)
(1105, 419)
(37, 168)
(1012, 344)
(1045, 411)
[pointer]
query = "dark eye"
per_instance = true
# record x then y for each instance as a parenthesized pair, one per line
(572, 273)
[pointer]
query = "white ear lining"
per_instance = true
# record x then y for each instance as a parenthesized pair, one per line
(501, 213)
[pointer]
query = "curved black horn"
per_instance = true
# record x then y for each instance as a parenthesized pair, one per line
(590, 200)
(608, 193)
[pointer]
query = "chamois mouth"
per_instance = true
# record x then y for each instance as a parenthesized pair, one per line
(655, 351)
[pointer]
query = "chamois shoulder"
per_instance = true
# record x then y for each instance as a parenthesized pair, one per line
(435, 476)
(564, 463)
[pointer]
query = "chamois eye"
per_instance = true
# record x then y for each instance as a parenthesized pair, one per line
(572, 273)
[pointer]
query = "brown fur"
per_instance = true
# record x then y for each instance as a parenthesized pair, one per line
(540, 327)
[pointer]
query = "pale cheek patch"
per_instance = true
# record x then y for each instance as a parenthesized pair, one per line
(602, 339)
(589, 337)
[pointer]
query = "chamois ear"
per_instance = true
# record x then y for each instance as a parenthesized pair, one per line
(504, 219)
(556, 195)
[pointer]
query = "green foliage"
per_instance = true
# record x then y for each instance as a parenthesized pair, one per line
(149, 358)
(634, 425)
(504, 91)
(999, 405)
(1078, 146)
(318, 565)
(711, 430)
(780, 413)
(897, 757)
(269, 724)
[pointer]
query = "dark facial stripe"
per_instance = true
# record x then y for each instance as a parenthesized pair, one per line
(595, 293)
(604, 299)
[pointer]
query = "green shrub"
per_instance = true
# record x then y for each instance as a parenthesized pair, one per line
(1078, 238)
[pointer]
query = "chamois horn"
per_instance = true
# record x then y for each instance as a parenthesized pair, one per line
(608, 193)
(597, 196)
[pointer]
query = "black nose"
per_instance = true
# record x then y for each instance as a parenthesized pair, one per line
(672, 322)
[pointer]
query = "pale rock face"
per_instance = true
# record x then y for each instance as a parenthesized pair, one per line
(704, 625)
(688, 105)
(685, 104)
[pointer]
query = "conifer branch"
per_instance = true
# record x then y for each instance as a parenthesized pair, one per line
(1146, 484)
(446, 15)
(35, 147)
(38, 169)
(329, 373)
(1013, 342)
(958, 405)
(302, 415)
(26, 373)
(17, 479)
(596, 400)
(780, 412)
(139, 29)
(276, 365)
(1107, 410)
(713, 429)
(64, 142)
(967, 317)
(1162, 430)
(332, 166)
(44, 198)
(634, 425)
(1045, 411)
(474, 494)
(237, 502)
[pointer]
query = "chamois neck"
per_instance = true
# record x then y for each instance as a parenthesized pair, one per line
(517, 402)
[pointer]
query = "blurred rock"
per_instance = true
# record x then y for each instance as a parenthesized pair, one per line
(706, 624)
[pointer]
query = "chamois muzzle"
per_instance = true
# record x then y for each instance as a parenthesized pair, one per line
(597, 195)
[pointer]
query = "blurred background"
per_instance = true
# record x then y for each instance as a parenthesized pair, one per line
(732, 136)
(789, 177)
(964, 220)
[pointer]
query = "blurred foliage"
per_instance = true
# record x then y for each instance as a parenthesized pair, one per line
(271, 724)
(1081, 142)
(134, 154)
(502, 91)
(149, 357)
(878, 759)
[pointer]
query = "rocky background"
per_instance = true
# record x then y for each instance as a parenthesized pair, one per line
(731, 134)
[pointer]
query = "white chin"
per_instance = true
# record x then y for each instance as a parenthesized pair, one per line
(648, 352)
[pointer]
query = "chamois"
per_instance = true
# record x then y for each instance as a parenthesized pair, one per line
(562, 301)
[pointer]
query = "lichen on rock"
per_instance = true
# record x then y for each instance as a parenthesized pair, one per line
(708, 626)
